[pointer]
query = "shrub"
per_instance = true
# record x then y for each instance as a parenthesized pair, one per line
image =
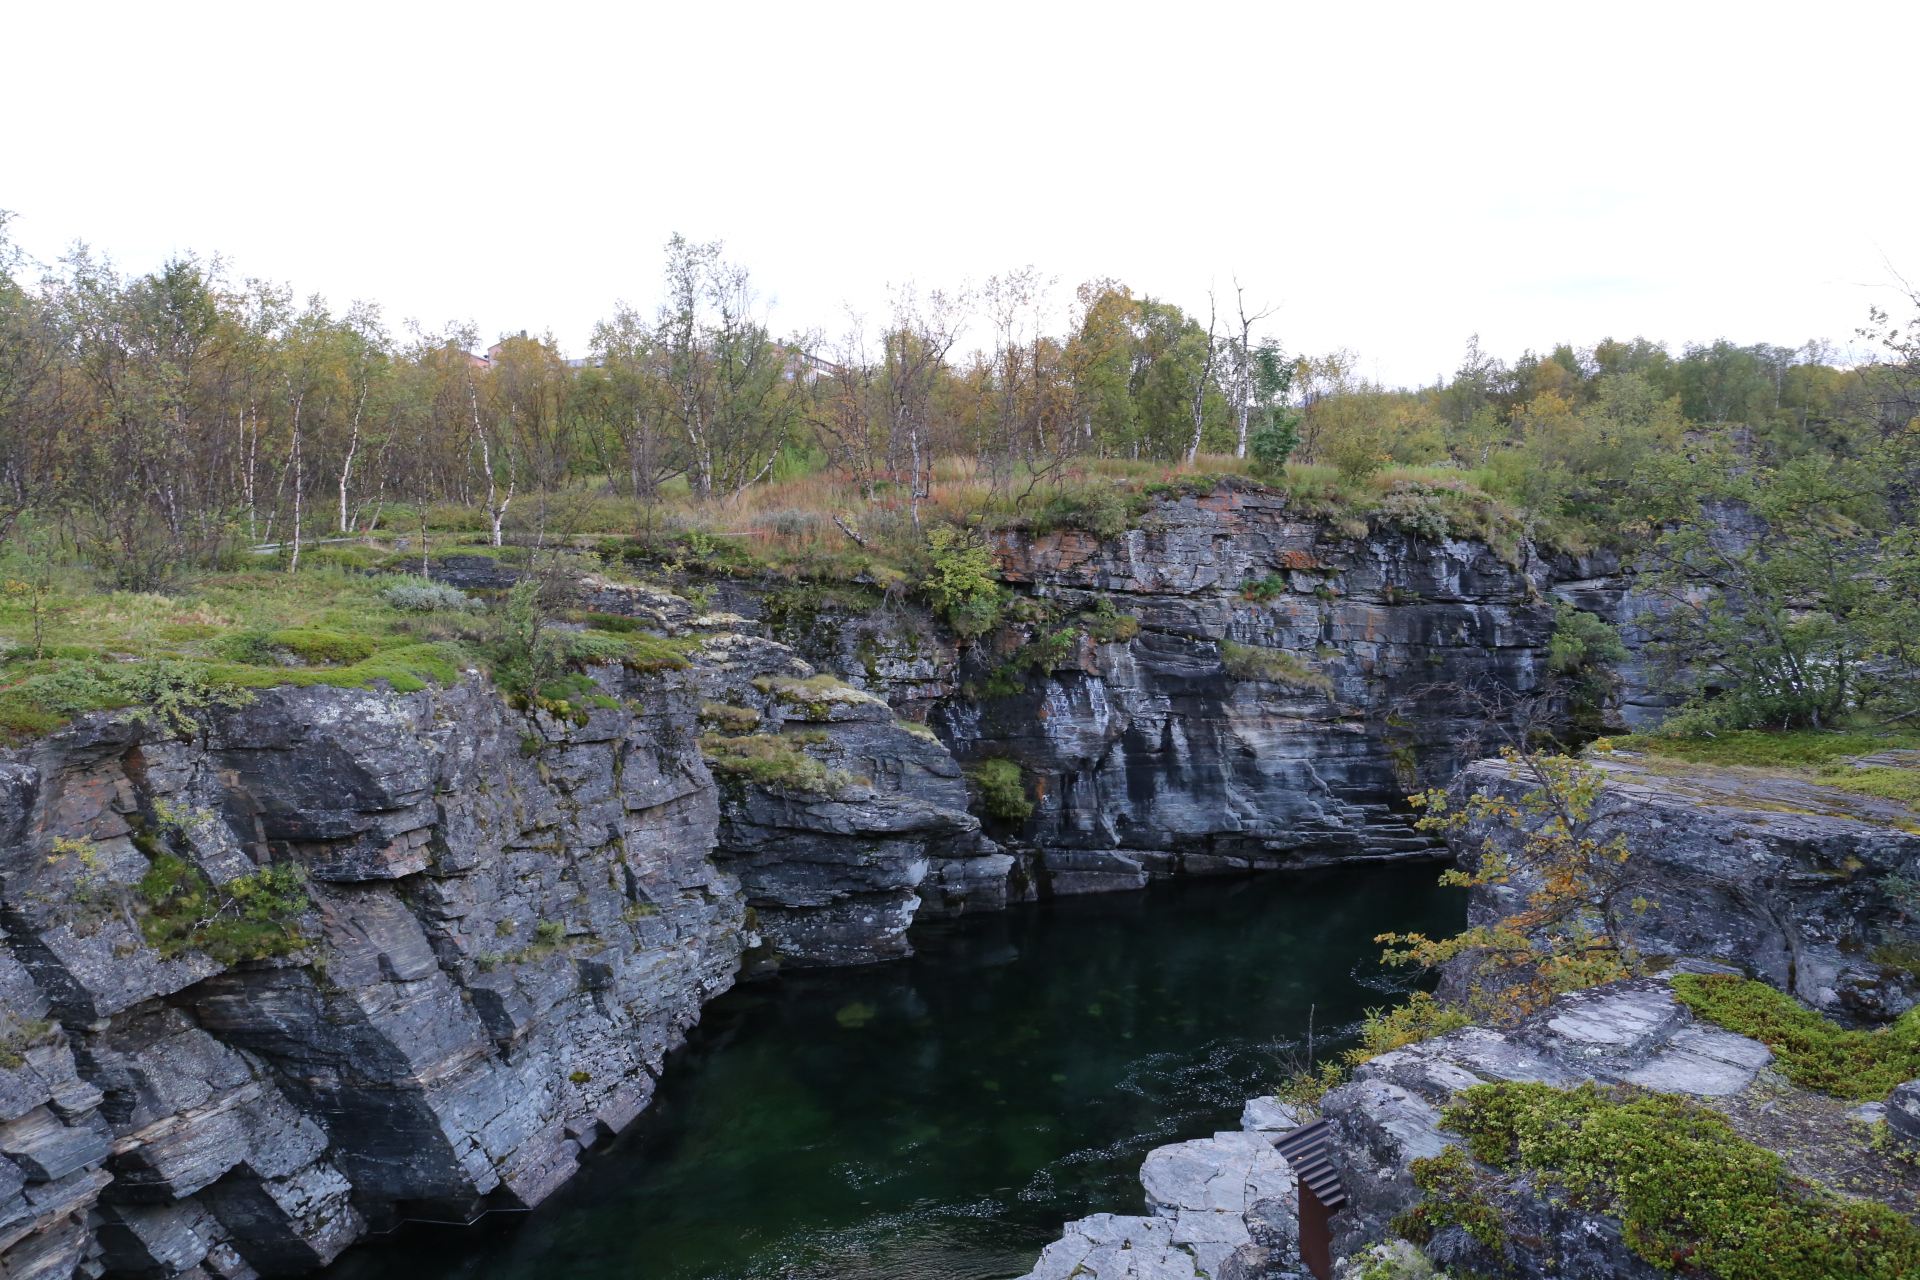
(1420, 1018)
(1413, 507)
(775, 760)
(962, 584)
(1275, 666)
(1689, 1191)
(422, 595)
(1001, 792)
(1814, 1053)
(249, 918)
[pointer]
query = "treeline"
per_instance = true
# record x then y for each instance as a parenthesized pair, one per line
(163, 420)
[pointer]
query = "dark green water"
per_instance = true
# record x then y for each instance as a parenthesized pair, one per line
(938, 1118)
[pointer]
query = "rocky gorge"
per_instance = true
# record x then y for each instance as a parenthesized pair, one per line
(515, 914)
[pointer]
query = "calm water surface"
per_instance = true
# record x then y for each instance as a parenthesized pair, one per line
(938, 1118)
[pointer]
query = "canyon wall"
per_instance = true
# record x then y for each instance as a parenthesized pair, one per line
(514, 915)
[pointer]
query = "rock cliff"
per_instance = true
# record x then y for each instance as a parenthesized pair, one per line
(513, 916)
(1794, 883)
(512, 919)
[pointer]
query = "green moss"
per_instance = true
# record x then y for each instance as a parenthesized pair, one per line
(1814, 1053)
(729, 719)
(1454, 1198)
(1275, 666)
(18, 1037)
(1889, 782)
(311, 644)
(775, 760)
(657, 653)
(1001, 793)
(249, 918)
(1690, 1192)
(1758, 747)
(406, 668)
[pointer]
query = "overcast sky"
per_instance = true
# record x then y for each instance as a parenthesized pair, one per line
(1389, 177)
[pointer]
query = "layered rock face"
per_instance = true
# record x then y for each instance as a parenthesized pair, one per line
(833, 869)
(1785, 879)
(1174, 752)
(513, 919)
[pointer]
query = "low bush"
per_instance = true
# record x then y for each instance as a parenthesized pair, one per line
(249, 918)
(1691, 1194)
(1001, 793)
(422, 595)
(1814, 1053)
(1275, 666)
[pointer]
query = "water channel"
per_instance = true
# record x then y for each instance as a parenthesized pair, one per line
(938, 1118)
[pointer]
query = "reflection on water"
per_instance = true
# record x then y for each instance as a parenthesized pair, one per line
(938, 1118)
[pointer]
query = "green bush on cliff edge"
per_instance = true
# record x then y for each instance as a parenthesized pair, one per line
(1814, 1053)
(1692, 1195)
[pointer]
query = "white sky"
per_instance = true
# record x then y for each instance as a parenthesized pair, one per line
(1393, 176)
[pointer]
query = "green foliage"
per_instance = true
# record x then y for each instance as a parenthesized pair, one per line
(1453, 1198)
(1002, 794)
(1105, 510)
(422, 595)
(249, 918)
(962, 583)
(1271, 587)
(1581, 642)
(1814, 1053)
(775, 760)
(1420, 1018)
(1799, 614)
(1106, 625)
(1689, 1191)
(175, 690)
(1275, 666)
(311, 644)
(405, 668)
(1581, 892)
(1765, 748)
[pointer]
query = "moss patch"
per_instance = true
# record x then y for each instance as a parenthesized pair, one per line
(249, 918)
(1814, 1053)
(1691, 1193)
(775, 760)
(1275, 666)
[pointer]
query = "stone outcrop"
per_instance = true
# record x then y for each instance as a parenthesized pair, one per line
(833, 869)
(1167, 754)
(1219, 1208)
(1631, 1032)
(1783, 878)
(513, 918)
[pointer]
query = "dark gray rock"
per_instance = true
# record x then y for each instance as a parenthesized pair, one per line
(505, 945)
(1783, 879)
(1631, 1032)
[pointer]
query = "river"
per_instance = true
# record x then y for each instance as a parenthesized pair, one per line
(938, 1118)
